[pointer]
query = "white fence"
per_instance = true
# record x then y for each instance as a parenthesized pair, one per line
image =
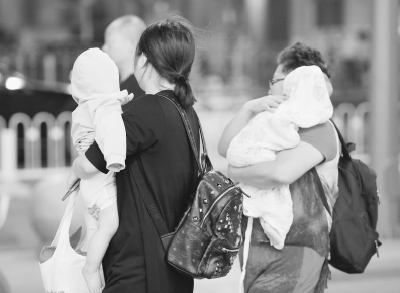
(28, 146)
(353, 123)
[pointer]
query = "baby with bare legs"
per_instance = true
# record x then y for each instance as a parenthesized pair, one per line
(95, 87)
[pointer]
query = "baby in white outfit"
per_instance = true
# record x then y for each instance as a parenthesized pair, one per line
(267, 134)
(95, 87)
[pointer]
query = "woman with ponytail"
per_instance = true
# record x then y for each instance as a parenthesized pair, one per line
(158, 153)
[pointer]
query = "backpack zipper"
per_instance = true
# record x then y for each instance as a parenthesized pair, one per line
(215, 201)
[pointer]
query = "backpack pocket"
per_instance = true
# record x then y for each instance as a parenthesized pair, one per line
(219, 260)
(188, 247)
(353, 243)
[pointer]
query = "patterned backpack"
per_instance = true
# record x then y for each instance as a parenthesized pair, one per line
(207, 240)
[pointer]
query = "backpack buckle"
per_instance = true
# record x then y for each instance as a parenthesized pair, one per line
(351, 147)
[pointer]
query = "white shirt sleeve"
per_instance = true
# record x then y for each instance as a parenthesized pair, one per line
(109, 131)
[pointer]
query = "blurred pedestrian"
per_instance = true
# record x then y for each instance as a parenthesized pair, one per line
(120, 40)
(159, 154)
(301, 266)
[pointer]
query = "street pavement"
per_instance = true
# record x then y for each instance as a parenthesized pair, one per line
(20, 268)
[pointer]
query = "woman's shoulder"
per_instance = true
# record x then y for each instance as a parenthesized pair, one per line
(323, 138)
(320, 130)
(142, 106)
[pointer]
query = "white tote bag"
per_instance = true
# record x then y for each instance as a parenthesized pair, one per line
(62, 273)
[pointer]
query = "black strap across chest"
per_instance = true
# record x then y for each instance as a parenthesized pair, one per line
(142, 182)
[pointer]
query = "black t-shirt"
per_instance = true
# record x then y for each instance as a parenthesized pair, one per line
(135, 260)
(132, 86)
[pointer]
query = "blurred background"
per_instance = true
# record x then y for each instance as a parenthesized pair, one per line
(238, 42)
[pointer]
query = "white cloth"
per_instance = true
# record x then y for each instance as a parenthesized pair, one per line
(63, 271)
(267, 134)
(95, 87)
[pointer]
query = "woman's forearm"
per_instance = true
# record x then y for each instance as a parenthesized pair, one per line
(232, 129)
(288, 166)
(260, 175)
(83, 168)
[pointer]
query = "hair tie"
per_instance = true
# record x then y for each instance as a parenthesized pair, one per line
(181, 78)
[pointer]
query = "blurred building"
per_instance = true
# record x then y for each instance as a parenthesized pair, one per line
(239, 39)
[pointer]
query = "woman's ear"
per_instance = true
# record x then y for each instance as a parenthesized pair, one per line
(140, 66)
(142, 60)
(328, 85)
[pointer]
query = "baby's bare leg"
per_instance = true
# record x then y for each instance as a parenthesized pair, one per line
(108, 225)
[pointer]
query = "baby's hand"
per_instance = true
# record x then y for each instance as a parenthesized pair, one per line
(126, 99)
(267, 103)
(115, 167)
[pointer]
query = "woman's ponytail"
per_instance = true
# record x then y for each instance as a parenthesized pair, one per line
(183, 91)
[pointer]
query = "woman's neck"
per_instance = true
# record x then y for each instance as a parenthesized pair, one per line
(125, 71)
(156, 84)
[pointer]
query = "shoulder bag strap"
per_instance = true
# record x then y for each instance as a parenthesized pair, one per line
(321, 190)
(207, 163)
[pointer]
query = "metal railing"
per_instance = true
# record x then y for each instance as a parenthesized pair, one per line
(29, 145)
(353, 123)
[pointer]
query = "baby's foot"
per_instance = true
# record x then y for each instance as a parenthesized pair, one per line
(93, 279)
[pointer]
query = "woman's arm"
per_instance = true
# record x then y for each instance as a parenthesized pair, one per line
(232, 129)
(288, 166)
(248, 110)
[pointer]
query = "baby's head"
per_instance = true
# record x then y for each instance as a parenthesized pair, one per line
(309, 103)
(297, 55)
(94, 74)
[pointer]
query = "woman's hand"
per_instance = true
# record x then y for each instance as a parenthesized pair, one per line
(267, 103)
(71, 179)
(248, 110)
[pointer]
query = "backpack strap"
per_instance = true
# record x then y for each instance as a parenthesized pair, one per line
(346, 148)
(345, 154)
(143, 183)
(205, 164)
(320, 190)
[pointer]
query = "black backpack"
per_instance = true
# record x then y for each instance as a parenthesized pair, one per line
(207, 240)
(353, 236)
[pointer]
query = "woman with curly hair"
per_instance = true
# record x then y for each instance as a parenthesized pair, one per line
(301, 265)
